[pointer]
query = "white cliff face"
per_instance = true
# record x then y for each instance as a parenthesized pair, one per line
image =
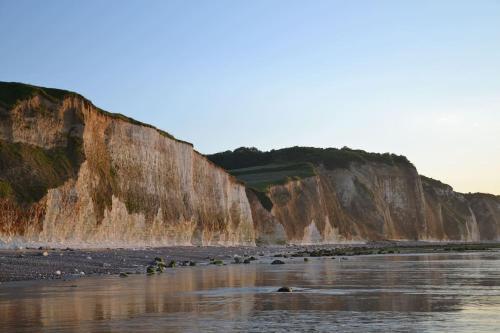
(137, 187)
(373, 201)
(363, 203)
(74, 175)
(486, 210)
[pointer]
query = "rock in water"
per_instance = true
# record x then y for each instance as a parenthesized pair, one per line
(237, 260)
(285, 290)
(278, 262)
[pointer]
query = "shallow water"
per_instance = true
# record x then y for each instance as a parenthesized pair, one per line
(391, 293)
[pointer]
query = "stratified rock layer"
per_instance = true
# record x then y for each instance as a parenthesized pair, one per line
(74, 175)
(374, 202)
(77, 176)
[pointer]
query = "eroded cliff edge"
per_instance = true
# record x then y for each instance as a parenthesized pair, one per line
(75, 175)
(72, 174)
(311, 195)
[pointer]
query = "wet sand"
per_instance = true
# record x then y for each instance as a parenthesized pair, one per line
(65, 264)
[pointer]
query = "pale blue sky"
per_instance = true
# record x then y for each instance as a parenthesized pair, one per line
(419, 78)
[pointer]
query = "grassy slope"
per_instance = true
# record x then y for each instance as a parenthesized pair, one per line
(261, 177)
(27, 172)
(260, 170)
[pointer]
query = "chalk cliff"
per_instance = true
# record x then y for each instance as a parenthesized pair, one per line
(72, 174)
(311, 195)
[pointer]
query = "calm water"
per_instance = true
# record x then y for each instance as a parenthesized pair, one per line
(400, 293)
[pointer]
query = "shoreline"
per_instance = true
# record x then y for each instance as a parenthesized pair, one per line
(66, 264)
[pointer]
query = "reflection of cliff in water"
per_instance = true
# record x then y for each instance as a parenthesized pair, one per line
(420, 285)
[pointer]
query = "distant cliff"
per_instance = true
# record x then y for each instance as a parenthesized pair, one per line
(312, 195)
(72, 174)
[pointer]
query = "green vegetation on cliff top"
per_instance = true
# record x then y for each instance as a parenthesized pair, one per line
(330, 158)
(260, 169)
(12, 92)
(427, 181)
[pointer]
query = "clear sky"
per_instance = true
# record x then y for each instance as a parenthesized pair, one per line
(418, 78)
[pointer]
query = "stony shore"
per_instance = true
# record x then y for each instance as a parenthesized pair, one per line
(49, 264)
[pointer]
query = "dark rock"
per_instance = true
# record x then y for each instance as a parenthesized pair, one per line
(237, 260)
(285, 290)
(278, 262)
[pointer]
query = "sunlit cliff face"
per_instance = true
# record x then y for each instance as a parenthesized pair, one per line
(372, 201)
(74, 175)
(126, 185)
